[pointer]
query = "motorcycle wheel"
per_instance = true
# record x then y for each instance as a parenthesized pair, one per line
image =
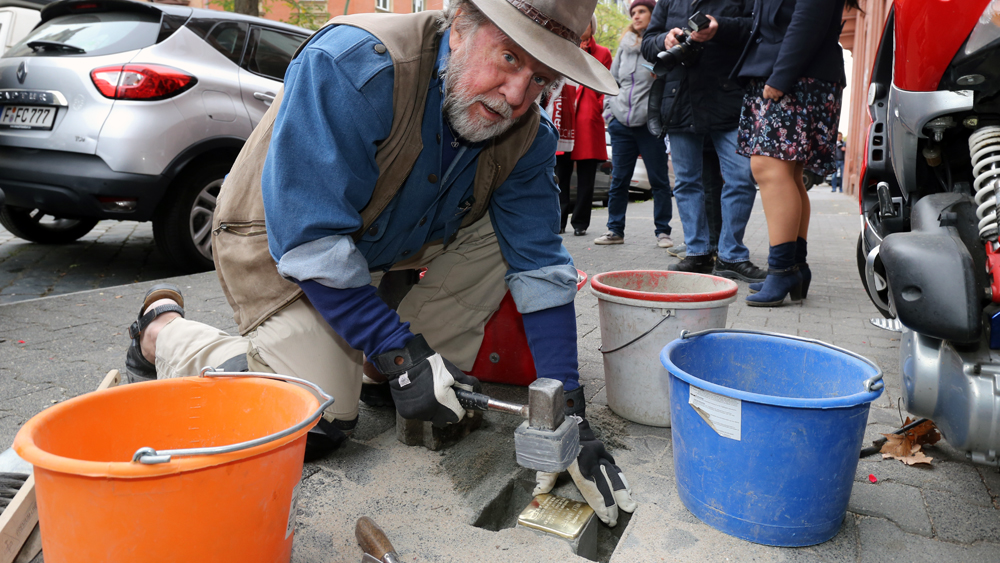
(862, 262)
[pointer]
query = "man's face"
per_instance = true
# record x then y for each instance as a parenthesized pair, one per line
(491, 82)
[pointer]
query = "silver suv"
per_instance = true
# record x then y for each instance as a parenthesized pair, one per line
(115, 109)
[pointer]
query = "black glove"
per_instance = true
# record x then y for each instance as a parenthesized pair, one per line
(421, 383)
(594, 472)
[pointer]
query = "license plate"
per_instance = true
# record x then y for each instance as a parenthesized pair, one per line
(27, 117)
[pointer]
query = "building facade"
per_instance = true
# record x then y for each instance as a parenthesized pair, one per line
(861, 34)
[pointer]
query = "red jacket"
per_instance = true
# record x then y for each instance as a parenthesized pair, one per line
(589, 141)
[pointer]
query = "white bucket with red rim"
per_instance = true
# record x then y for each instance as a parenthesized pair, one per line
(640, 312)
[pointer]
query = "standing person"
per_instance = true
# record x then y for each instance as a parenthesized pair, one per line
(400, 142)
(795, 68)
(701, 102)
(590, 148)
(630, 137)
(838, 176)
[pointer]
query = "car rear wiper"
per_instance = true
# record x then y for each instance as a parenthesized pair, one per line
(55, 46)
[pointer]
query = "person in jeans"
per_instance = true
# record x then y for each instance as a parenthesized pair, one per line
(630, 137)
(701, 102)
(838, 176)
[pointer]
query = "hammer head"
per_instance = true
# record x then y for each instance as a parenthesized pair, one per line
(546, 404)
(547, 441)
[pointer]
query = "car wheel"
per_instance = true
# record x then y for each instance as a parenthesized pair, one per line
(36, 226)
(808, 179)
(862, 262)
(183, 226)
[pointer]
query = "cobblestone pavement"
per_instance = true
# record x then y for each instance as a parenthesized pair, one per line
(59, 347)
(114, 253)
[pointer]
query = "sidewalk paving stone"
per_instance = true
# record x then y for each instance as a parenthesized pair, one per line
(900, 503)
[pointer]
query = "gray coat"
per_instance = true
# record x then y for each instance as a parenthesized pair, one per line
(635, 79)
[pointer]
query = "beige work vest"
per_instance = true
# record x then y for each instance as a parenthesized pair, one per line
(248, 274)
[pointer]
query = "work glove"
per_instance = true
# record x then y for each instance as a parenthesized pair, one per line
(421, 382)
(600, 481)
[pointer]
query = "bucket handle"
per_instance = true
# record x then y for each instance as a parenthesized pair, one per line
(667, 313)
(873, 383)
(150, 456)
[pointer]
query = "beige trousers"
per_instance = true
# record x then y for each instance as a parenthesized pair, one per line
(463, 286)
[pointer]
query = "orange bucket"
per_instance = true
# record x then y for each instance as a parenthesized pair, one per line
(95, 504)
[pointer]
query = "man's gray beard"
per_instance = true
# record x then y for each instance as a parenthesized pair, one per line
(457, 106)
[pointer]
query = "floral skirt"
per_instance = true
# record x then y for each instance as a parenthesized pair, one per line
(801, 126)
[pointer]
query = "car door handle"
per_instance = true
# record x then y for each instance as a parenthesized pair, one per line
(265, 97)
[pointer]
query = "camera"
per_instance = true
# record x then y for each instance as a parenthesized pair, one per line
(685, 50)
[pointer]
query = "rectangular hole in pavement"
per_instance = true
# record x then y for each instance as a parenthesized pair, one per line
(502, 512)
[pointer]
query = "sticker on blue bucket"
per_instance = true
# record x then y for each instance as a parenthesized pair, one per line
(723, 414)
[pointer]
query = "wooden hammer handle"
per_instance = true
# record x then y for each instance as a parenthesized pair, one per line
(372, 539)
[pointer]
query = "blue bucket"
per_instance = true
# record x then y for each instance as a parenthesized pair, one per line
(766, 431)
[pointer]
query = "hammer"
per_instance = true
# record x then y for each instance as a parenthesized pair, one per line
(547, 440)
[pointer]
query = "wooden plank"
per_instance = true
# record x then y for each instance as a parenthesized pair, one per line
(20, 518)
(17, 521)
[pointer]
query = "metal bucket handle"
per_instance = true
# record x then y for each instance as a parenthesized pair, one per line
(873, 383)
(150, 456)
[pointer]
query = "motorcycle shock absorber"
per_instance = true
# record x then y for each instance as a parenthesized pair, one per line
(984, 147)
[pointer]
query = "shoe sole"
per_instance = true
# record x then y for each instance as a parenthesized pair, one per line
(731, 275)
(607, 243)
(771, 303)
(665, 245)
(672, 269)
(162, 291)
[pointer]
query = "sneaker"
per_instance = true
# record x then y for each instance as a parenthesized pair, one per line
(609, 238)
(694, 264)
(679, 250)
(663, 240)
(745, 271)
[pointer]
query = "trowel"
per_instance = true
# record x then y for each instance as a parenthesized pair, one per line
(373, 541)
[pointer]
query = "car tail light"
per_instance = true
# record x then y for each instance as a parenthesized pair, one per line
(141, 81)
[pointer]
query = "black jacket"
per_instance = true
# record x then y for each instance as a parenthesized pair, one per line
(700, 96)
(792, 39)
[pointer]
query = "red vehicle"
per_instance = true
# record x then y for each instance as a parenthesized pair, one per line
(928, 253)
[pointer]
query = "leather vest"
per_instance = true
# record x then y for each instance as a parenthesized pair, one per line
(248, 274)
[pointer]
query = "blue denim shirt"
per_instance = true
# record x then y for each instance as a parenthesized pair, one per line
(320, 173)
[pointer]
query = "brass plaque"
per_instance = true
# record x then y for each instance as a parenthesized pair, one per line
(556, 515)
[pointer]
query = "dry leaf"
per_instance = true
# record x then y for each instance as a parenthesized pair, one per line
(897, 446)
(906, 447)
(917, 457)
(924, 433)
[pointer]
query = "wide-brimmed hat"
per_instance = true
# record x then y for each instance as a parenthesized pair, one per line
(550, 31)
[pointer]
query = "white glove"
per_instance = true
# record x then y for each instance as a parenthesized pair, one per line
(601, 482)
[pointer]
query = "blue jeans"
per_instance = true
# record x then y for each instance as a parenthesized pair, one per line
(627, 143)
(738, 193)
(838, 177)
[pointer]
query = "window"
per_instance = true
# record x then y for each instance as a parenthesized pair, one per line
(383, 5)
(418, 6)
(225, 37)
(97, 33)
(271, 52)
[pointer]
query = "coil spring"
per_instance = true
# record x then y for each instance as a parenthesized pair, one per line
(984, 146)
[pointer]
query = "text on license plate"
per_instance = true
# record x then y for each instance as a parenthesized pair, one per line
(27, 117)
